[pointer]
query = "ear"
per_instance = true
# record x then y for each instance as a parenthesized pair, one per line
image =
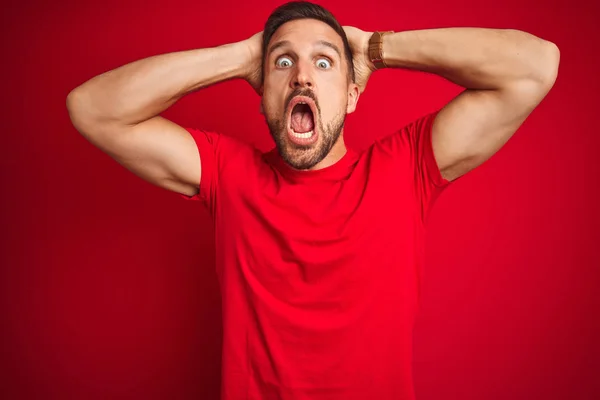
(353, 95)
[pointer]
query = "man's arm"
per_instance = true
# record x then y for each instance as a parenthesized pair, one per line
(118, 111)
(506, 74)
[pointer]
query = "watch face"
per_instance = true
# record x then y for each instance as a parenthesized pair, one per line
(375, 48)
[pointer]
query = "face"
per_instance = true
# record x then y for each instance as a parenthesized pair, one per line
(307, 93)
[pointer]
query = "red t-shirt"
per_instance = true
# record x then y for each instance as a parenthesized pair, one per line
(319, 270)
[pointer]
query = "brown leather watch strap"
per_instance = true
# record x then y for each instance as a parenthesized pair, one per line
(376, 49)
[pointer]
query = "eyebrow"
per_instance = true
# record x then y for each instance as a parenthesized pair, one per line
(284, 43)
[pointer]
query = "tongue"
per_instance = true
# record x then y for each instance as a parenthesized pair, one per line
(302, 119)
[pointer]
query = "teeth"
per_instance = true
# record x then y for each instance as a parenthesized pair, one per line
(305, 135)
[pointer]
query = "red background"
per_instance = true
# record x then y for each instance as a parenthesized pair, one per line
(107, 284)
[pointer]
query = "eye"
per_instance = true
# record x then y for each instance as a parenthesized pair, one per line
(323, 63)
(283, 62)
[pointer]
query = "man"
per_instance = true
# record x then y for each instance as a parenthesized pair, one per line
(318, 247)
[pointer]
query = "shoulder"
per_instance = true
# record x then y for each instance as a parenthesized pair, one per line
(219, 145)
(409, 136)
(404, 146)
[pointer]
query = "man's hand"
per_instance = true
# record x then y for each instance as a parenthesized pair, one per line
(359, 44)
(254, 73)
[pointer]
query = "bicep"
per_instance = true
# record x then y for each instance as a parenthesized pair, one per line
(477, 123)
(157, 150)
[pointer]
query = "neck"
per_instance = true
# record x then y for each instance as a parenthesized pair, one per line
(335, 154)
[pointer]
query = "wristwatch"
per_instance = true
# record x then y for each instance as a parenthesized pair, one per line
(376, 49)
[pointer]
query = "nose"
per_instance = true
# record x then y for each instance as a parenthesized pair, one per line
(302, 76)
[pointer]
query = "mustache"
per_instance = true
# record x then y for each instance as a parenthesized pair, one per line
(302, 92)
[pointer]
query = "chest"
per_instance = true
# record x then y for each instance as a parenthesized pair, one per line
(307, 243)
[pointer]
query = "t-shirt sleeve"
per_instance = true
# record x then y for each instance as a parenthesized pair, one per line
(208, 144)
(429, 181)
(216, 152)
(414, 151)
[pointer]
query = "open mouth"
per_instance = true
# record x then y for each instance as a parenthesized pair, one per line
(301, 127)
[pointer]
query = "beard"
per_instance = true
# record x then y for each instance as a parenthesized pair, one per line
(305, 157)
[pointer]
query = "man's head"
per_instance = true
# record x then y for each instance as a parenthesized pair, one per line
(308, 82)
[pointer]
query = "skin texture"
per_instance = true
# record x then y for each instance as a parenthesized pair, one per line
(304, 66)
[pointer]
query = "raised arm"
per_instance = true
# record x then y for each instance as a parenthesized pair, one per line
(506, 74)
(118, 111)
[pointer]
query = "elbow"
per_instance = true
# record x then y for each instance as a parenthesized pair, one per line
(533, 86)
(79, 100)
(80, 112)
(548, 65)
(72, 101)
(75, 109)
(542, 74)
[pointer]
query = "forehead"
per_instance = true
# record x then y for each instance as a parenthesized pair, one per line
(305, 32)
